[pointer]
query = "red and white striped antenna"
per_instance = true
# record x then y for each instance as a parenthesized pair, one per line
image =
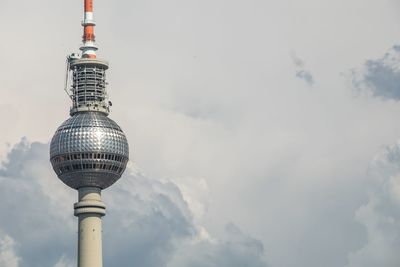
(89, 47)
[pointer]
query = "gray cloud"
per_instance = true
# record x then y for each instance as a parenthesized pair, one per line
(301, 72)
(148, 224)
(32, 206)
(306, 76)
(380, 77)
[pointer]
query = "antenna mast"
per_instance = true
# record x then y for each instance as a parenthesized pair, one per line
(89, 47)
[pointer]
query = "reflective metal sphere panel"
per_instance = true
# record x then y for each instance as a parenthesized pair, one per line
(89, 150)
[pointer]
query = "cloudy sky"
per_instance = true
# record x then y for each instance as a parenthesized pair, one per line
(263, 133)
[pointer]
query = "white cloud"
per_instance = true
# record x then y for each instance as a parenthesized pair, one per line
(63, 262)
(8, 257)
(381, 214)
(235, 250)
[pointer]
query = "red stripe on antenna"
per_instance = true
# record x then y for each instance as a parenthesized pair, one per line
(88, 34)
(88, 5)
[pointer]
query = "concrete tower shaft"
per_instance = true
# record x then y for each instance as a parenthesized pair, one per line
(89, 211)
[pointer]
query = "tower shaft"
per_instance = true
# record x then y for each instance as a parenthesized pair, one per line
(89, 210)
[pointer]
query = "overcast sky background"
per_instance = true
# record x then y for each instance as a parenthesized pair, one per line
(262, 132)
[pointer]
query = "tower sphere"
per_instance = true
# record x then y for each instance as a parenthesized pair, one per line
(89, 150)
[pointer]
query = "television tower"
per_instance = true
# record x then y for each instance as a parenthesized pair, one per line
(89, 151)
